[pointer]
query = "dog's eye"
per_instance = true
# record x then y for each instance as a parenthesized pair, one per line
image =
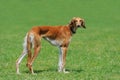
(80, 20)
(75, 20)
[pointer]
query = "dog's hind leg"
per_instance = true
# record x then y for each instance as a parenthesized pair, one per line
(22, 55)
(36, 48)
(19, 61)
(29, 55)
(36, 51)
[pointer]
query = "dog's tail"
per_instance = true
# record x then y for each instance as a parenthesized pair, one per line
(28, 42)
(25, 44)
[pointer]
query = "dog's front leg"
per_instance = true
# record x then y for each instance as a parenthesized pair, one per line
(62, 59)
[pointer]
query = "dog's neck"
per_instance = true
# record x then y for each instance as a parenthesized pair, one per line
(71, 29)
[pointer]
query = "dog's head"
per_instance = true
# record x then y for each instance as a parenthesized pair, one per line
(75, 23)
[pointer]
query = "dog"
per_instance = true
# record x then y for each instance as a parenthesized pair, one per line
(59, 36)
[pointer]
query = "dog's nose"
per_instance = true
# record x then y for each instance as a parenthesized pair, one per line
(78, 25)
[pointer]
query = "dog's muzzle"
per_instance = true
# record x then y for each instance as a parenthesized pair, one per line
(78, 25)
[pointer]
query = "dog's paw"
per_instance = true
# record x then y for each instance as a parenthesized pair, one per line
(34, 73)
(18, 73)
(66, 72)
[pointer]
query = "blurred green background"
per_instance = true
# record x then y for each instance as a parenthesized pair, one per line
(94, 53)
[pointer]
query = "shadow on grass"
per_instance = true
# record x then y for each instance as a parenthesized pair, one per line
(40, 71)
(75, 70)
(55, 70)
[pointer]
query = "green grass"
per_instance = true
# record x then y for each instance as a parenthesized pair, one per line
(94, 53)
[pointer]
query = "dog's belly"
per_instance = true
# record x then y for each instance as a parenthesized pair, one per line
(54, 42)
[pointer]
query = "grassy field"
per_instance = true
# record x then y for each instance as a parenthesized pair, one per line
(94, 53)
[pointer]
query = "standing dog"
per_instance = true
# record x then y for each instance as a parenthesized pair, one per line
(59, 36)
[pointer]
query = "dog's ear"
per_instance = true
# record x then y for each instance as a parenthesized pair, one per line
(83, 23)
(72, 21)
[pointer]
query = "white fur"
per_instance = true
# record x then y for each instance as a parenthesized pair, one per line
(60, 64)
(54, 42)
(31, 36)
(25, 44)
(60, 60)
(21, 57)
